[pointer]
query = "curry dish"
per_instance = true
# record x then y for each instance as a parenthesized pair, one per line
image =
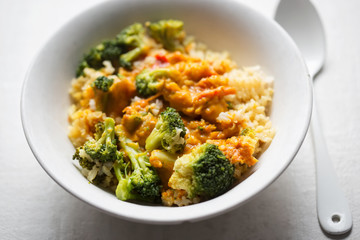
(157, 117)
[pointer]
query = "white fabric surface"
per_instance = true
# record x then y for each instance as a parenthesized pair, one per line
(33, 206)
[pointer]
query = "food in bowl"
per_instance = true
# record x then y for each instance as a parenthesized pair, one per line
(157, 117)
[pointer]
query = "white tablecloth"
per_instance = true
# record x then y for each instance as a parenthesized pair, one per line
(33, 206)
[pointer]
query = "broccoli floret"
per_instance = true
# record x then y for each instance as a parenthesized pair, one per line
(123, 174)
(80, 69)
(103, 83)
(92, 59)
(84, 162)
(87, 162)
(103, 149)
(101, 87)
(148, 82)
(205, 172)
(98, 179)
(111, 51)
(169, 132)
(169, 33)
(107, 50)
(127, 58)
(99, 150)
(132, 41)
(144, 180)
(99, 129)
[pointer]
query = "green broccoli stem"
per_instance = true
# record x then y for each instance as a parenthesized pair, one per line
(117, 170)
(109, 134)
(154, 140)
(167, 159)
(124, 188)
(131, 55)
(133, 152)
(164, 156)
(145, 182)
(161, 72)
(123, 191)
(104, 101)
(137, 161)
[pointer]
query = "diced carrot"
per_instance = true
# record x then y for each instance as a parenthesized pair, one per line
(162, 58)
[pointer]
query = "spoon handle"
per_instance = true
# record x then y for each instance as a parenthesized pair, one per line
(332, 206)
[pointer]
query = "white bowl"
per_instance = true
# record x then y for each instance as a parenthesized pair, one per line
(251, 39)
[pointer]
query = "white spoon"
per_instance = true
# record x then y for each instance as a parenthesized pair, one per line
(301, 20)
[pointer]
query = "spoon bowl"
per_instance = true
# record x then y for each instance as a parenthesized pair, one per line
(293, 15)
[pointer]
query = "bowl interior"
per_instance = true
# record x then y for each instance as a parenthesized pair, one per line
(250, 38)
